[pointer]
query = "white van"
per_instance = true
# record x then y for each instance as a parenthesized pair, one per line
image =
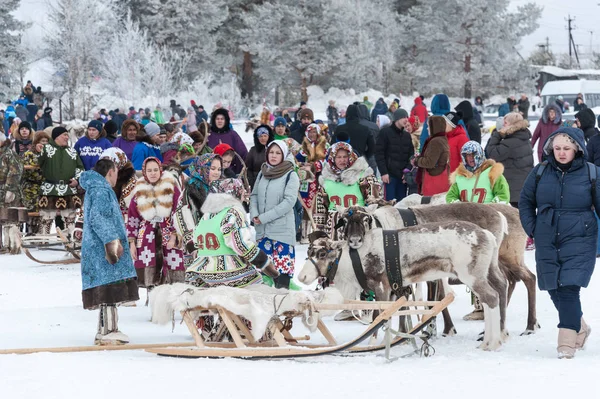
(569, 89)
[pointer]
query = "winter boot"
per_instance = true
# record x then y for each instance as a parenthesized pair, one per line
(46, 226)
(70, 226)
(530, 244)
(294, 286)
(583, 335)
(567, 339)
(267, 280)
(476, 314)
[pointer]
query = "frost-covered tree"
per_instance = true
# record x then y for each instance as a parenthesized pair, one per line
(450, 47)
(371, 43)
(11, 53)
(542, 56)
(138, 68)
(186, 27)
(76, 43)
(293, 43)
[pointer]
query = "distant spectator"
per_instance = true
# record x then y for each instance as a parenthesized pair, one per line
(221, 132)
(419, 109)
(473, 129)
(332, 116)
(523, 105)
(549, 123)
(368, 103)
(305, 118)
(586, 121)
(90, 147)
(380, 109)
(579, 104)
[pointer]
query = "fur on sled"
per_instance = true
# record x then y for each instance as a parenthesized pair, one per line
(258, 303)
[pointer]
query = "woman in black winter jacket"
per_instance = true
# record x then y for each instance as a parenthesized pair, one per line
(511, 145)
(586, 121)
(263, 135)
(468, 117)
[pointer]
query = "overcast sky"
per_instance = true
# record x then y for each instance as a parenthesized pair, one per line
(553, 25)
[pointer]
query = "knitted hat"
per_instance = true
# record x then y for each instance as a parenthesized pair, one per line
(306, 113)
(221, 149)
(400, 114)
(152, 129)
(111, 128)
(57, 131)
(96, 124)
(280, 121)
(25, 124)
(453, 118)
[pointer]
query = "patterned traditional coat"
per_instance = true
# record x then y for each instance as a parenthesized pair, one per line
(11, 170)
(237, 270)
(32, 179)
(312, 155)
(59, 165)
(150, 227)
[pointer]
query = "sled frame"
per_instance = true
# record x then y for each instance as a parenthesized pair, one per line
(283, 345)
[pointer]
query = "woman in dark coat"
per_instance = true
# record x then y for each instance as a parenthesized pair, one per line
(511, 145)
(549, 123)
(556, 210)
(263, 135)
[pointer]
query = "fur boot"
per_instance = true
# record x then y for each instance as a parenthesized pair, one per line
(108, 327)
(477, 313)
(583, 335)
(567, 340)
(69, 225)
(46, 226)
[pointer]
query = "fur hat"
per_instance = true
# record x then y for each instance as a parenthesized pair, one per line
(306, 113)
(437, 125)
(513, 117)
(57, 131)
(39, 136)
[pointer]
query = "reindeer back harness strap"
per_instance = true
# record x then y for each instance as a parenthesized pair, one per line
(408, 217)
(425, 200)
(391, 253)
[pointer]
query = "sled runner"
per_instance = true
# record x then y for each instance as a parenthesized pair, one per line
(284, 345)
(58, 242)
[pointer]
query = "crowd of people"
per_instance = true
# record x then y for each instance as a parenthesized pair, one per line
(181, 198)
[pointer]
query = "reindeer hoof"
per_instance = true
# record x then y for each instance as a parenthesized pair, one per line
(480, 336)
(450, 333)
(527, 332)
(505, 336)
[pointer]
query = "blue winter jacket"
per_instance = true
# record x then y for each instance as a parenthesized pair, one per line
(90, 150)
(142, 151)
(564, 226)
(103, 224)
(440, 105)
(503, 110)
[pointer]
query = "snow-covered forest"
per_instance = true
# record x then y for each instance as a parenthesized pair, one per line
(135, 49)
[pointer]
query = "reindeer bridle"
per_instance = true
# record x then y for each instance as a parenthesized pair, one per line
(332, 267)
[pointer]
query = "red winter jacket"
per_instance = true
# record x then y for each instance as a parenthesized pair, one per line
(419, 110)
(456, 139)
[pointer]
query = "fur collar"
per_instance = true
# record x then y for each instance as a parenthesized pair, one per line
(316, 152)
(495, 173)
(352, 175)
(521, 125)
(155, 200)
(216, 202)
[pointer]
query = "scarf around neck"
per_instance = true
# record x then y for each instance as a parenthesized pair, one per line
(275, 172)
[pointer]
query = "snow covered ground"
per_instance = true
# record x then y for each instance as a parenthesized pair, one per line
(40, 306)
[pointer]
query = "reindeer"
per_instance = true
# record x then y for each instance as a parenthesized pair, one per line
(512, 247)
(426, 253)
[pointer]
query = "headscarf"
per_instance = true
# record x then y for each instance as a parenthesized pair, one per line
(181, 138)
(340, 145)
(116, 155)
(311, 127)
(200, 170)
(230, 186)
(472, 147)
(150, 159)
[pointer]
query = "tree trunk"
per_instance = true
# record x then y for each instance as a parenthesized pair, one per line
(467, 88)
(247, 88)
(304, 92)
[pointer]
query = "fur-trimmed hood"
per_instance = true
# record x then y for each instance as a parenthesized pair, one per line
(155, 200)
(520, 125)
(216, 202)
(353, 174)
(495, 173)
(316, 153)
(557, 110)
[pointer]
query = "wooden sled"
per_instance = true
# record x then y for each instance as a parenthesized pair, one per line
(283, 345)
(50, 242)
